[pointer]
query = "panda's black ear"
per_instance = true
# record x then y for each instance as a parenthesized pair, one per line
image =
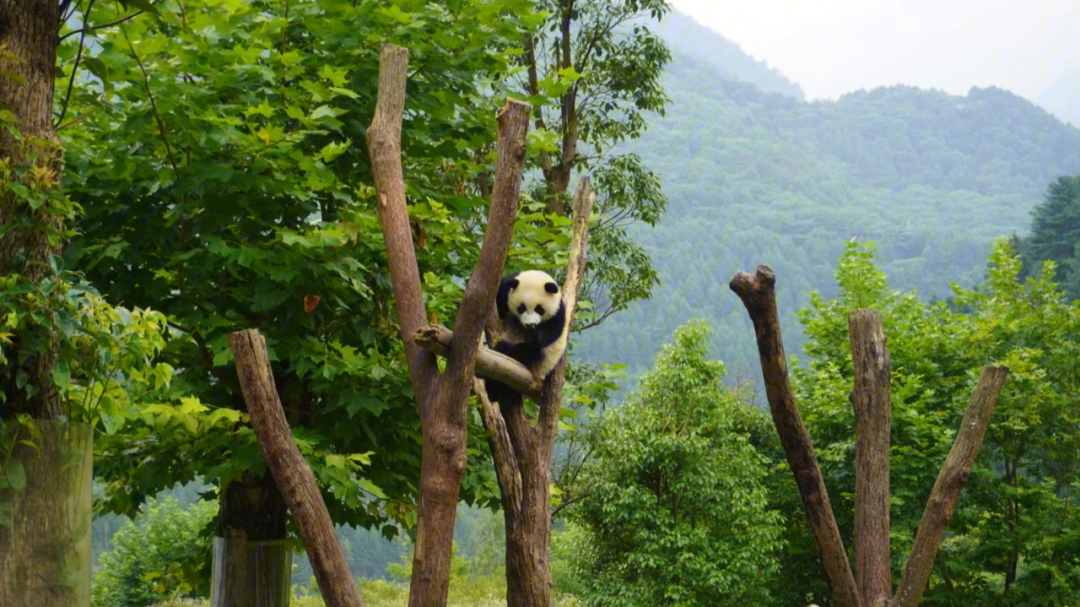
(512, 283)
(551, 287)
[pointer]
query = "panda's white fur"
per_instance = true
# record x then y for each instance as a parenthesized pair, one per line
(533, 327)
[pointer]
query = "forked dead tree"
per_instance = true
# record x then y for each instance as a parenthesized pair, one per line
(871, 585)
(521, 448)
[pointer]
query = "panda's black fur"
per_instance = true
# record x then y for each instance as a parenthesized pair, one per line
(532, 295)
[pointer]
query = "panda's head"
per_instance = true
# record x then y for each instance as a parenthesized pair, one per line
(534, 297)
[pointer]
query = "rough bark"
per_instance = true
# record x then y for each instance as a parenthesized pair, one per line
(873, 420)
(29, 32)
(443, 400)
(444, 420)
(522, 450)
(291, 472)
(757, 293)
(950, 482)
(45, 553)
(252, 510)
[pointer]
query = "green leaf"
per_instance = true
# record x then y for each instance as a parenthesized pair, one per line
(16, 475)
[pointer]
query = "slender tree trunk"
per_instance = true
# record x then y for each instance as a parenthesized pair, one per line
(28, 32)
(950, 482)
(442, 399)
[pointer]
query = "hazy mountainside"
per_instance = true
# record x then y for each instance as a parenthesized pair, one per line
(756, 177)
(688, 37)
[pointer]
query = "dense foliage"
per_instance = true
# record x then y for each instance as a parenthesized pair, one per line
(164, 553)
(233, 191)
(1055, 233)
(1013, 539)
(676, 511)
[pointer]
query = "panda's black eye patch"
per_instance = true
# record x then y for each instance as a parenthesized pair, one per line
(540, 310)
(521, 309)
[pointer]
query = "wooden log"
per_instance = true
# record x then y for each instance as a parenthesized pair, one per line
(291, 472)
(950, 482)
(873, 421)
(489, 363)
(758, 294)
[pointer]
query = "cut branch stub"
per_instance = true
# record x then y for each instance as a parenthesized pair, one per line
(873, 420)
(758, 294)
(950, 482)
(291, 472)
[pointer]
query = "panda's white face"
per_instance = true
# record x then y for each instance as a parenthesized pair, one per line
(535, 299)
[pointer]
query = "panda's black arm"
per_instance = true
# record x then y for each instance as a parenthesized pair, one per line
(505, 286)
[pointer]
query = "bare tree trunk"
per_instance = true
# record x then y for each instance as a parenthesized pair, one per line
(873, 420)
(443, 400)
(950, 482)
(291, 472)
(28, 31)
(759, 296)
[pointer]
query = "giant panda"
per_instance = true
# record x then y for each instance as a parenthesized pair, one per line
(532, 318)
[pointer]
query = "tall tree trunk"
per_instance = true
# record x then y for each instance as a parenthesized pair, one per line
(28, 37)
(252, 510)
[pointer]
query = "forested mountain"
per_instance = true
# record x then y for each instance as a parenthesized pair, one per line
(758, 177)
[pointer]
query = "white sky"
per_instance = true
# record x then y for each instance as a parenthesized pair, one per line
(832, 47)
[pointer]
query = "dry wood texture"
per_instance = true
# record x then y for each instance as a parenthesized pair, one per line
(444, 420)
(950, 482)
(291, 472)
(758, 294)
(528, 528)
(873, 420)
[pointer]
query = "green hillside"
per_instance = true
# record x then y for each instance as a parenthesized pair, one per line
(756, 177)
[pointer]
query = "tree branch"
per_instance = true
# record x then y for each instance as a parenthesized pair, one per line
(506, 464)
(551, 401)
(758, 294)
(950, 482)
(384, 148)
(291, 472)
(489, 363)
(472, 315)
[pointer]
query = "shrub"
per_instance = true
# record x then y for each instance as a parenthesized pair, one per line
(160, 555)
